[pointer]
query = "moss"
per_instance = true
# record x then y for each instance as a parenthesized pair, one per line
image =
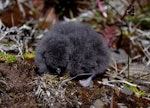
(29, 55)
(9, 58)
(145, 22)
(137, 92)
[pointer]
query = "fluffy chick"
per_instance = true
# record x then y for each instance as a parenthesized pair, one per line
(74, 47)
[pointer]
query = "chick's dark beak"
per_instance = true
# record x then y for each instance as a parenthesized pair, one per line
(58, 70)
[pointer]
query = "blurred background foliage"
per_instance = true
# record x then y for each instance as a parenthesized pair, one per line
(121, 22)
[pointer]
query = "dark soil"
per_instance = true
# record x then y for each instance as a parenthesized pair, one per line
(18, 90)
(19, 83)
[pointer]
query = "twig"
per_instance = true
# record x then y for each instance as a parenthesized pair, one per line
(12, 19)
(108, 84)
(125, 14)
(123, 70)
(21, 8)
(74, 77)
(115, 65)
(1, 81)
(128, 67)
(1, 91)
(123, 81)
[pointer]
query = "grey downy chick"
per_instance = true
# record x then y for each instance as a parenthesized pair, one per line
(74, 47)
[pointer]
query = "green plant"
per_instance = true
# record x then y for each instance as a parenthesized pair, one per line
(137, 92)
(29, 55)
(9, 58)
